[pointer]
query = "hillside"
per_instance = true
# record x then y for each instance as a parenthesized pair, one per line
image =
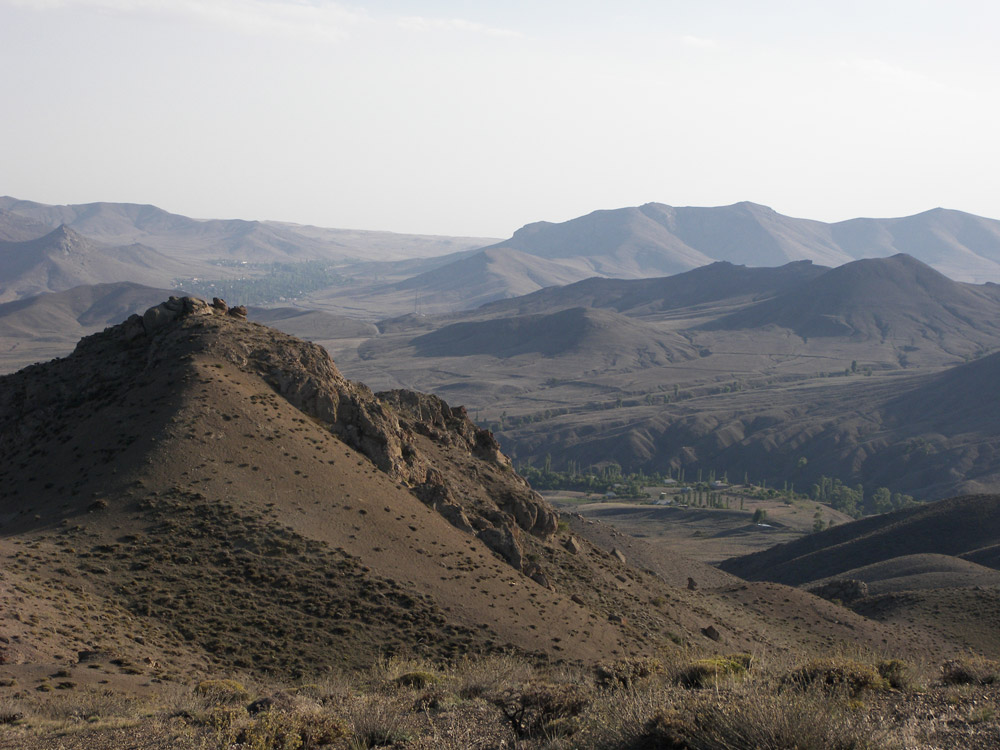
(954, 527)
(49, 325)
(876, 372)
(489, 275)
(718, 282)
(597, 335)
(191, 496)
(898, 299)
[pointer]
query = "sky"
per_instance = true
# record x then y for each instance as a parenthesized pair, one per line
(475, 118)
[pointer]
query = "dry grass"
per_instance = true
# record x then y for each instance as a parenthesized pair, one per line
(737, 702)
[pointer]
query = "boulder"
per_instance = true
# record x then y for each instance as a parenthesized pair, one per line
(503, 542)
(572, 545)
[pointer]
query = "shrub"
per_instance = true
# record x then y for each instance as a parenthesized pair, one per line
(708, 672)
(626, 672)
(541, 710)
(279, 730)
(377, 720)
(899, 674)
(970, 670)
(839, 674)
(803, 721)
(417, 680)
(218, 692)
(475, 678)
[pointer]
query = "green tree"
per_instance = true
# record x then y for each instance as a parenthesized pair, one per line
(882, 500)
(818, 524)
(759, 515)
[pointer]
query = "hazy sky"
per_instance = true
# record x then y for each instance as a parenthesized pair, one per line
(474, 118)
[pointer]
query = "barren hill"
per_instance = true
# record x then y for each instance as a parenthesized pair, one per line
(595, 334)
(897, 298)
(914, 565)
(720, 281)
(489, 275)
(920, 572)
(49, 325)
(955, 527)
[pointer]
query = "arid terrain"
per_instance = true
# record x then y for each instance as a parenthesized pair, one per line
(199, 511)
(301, 523)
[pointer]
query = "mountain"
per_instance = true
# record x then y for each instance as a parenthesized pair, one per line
(16, 228)
(63, 259)
(490, 274)
(897, 298)
(716, 282)
(656, 240)
(213, 239)
(874, 372)
(596, 335)
(959, 245)
(930, 435)
(661, 239)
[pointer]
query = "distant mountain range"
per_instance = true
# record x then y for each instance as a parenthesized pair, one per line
(659, 240)
(381, 274)
(203, 240)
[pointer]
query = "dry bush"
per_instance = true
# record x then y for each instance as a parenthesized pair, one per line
(10, 712)
(618, 718)
(542, 710)
(970, 670)
(418, 679)
(627, 672)
(296, 730)
(475, 678)
(900, 675)
(332, 688)
(222, 692)
(762, 720)
(390, 673)
(378, 720)
(96, 705)
(710, 672)
(837, 674)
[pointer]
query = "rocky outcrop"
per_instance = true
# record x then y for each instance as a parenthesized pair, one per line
(504, 543)
(446, 460)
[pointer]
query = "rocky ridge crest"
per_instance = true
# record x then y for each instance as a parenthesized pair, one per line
(445, 459)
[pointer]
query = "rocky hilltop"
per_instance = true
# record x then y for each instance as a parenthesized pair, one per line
(418, 440)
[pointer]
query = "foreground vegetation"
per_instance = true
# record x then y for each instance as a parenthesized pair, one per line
(707, 703)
